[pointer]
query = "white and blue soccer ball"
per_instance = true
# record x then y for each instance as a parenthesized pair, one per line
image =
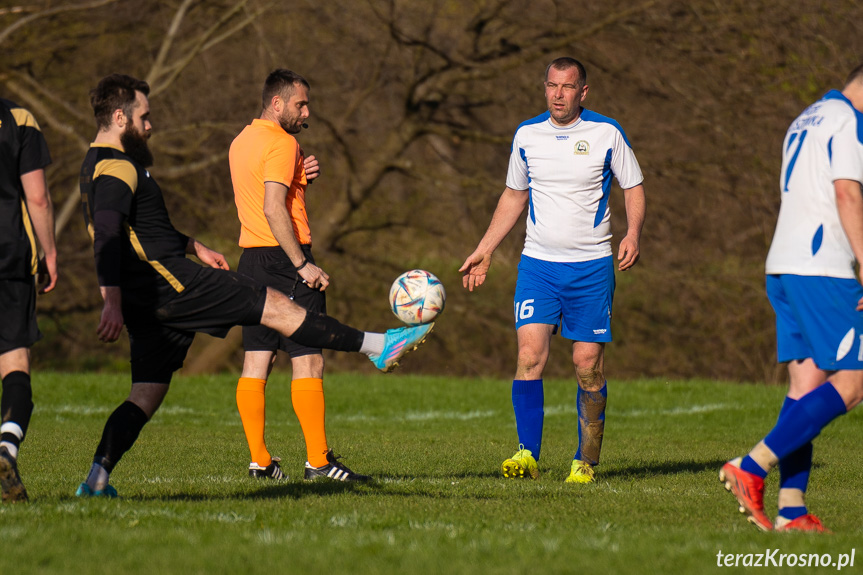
(417, 297)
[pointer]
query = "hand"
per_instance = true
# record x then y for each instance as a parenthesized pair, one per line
(314, 277)
(209, 257)
(111, 323)
(628, 253)
(312, 168)
(475, 268)
(860, 279)
(46, 273)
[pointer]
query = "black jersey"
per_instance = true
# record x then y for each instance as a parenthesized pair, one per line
(152, 253)
(22, 150)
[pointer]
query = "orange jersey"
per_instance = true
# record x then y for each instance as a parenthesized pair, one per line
(264, 152)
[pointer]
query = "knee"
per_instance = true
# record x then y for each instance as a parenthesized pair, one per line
(530, 361)
(849, 385)
(590, 378)
(852, 398)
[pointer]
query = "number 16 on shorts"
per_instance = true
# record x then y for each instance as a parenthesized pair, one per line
(523, 310)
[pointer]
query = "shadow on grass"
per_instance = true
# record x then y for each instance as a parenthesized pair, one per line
(480, 474)
(415, 485)
(389, 486)
(286, 490)
(292, 490)
(636, 471)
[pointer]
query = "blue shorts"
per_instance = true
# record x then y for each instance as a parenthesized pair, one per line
(817, 317)
(576, 296)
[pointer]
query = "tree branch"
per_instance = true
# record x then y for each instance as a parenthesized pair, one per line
(162, 75)
(483, 70)
(45, 13)
(170, 35)
(194, 167)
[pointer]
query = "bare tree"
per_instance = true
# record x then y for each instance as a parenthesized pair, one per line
(413, 109)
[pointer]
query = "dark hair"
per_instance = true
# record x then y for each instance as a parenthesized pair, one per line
(565, 63)
(114, 92)
(281, 82)
(856, 74)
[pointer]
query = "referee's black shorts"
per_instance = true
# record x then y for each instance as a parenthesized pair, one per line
(272, 267)
(213, 302)
(18, 314)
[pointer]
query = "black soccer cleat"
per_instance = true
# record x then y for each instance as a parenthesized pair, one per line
(333, 470)
(272, 471)
(10, 481)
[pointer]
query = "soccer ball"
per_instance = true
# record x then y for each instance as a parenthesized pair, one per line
(417, 297)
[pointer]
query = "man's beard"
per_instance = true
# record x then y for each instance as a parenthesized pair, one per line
(291, 128)
(135, 146)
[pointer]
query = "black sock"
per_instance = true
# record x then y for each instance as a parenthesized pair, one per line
(319, 330)
(16, 405)
(121, 431)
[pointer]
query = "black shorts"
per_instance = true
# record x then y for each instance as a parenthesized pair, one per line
(213, 302)
(18, 314)
(272, 267)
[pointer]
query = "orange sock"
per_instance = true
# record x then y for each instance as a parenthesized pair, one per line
(251, 404)
(307, 395)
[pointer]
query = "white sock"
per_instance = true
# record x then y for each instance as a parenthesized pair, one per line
(98, 478)
(14, 429)
(373, 343)
(13, 449)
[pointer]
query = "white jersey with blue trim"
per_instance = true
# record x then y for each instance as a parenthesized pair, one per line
(567, 171)
(824, 144)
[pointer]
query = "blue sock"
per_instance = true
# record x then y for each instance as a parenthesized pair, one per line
(792, 513)
(591, 423)
(748, 464)
(805, 420)
(794, 469)
(527, 401)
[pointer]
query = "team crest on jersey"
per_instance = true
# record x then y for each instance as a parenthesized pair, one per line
(582, 148)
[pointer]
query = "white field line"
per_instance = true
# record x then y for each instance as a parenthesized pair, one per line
(420, 416)
(688, 410)
(60, 410)
(550, 410)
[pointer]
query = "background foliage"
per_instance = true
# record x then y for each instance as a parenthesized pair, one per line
(413, 108)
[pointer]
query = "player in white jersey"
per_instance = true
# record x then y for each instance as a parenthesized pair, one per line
(818, 299)
(560, 169)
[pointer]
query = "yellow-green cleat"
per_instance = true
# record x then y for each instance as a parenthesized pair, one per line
(522, 464)
(582, 472)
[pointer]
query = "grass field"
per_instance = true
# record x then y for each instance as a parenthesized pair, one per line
(438, 506)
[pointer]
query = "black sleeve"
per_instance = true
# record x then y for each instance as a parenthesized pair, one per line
(108, 246)
(34, 148)
(112, 194)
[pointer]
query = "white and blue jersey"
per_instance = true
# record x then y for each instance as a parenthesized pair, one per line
(810, 266)
(824, 144)
(567, 171)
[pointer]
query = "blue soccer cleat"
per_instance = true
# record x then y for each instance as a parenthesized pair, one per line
(84, 490)
(398, 343)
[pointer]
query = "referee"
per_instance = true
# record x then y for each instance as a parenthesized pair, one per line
(270, 173)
